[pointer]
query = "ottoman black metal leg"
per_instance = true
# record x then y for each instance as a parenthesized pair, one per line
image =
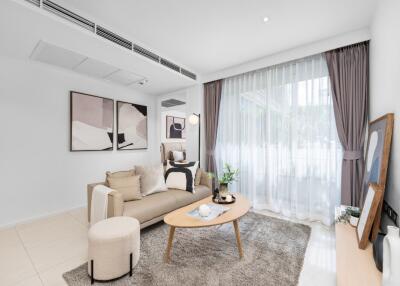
(92, 272)
(130, 264)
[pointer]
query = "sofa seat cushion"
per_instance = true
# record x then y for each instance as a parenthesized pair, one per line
(184, 198)
(151, 206)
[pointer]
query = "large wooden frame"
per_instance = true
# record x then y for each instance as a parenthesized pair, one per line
(368, 214)
(381, 180)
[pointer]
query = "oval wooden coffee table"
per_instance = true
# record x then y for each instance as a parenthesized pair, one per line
(180, 218)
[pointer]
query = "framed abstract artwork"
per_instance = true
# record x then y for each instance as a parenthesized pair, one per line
(91, 122)
(368, 214)
(131, 126)
(175, 127)
(377, 160)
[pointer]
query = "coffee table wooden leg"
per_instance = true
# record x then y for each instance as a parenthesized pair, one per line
(239, 242)
(169, 246)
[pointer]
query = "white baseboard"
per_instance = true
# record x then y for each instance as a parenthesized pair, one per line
(38, 217)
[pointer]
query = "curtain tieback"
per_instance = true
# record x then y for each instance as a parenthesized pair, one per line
(352, 155)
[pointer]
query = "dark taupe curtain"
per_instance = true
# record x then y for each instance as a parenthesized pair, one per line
(212, 100)
(349, 72)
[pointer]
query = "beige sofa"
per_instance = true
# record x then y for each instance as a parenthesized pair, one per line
(152, 208)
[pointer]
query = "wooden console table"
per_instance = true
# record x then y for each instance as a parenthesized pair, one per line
(353, 265)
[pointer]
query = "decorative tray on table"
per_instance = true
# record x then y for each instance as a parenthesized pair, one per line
(218, 199)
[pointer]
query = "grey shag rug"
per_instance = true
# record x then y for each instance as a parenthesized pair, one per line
(273, 255)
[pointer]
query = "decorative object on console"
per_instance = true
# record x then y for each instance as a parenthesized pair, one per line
(354, 218)
(391, 257)
(378, 251)
(131, 126)
(175, 127)
(91, 122)
(368, 214)
(152, 179)
(347, 214)
(377, 161)
(181, 175)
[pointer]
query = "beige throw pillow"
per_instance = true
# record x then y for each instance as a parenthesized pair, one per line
(120, 174)
(152, 179)
(197, 178)
(129, 187)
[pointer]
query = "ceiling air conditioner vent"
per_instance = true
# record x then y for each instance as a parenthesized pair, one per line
(113, 37)
(172, 102)
(68, 15)
(188, 74)
(170, 65)
(34, 2)
(146, 53)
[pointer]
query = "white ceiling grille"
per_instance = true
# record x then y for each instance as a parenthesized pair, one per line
(68, 15)
(188, 74)
(109, 35)
(170, 65)
(113, 37)
(146, 53)
(34, 2)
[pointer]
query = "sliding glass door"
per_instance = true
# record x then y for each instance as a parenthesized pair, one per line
(277, 126)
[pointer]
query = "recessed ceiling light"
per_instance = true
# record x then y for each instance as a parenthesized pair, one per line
(265, 19)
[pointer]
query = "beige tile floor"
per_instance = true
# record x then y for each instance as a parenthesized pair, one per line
(39, 252)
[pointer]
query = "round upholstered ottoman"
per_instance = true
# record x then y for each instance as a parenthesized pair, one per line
(114, 248)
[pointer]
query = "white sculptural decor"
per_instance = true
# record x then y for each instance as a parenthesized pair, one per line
(391, 257)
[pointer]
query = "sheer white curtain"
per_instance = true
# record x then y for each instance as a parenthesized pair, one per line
(277, 126)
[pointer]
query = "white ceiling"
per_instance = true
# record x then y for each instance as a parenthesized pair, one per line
(209, 35)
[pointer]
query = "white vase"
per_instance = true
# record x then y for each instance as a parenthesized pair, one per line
(391, 257)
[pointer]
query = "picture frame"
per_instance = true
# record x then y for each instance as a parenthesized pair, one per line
(368, 214)
(91, 122)
(175, 133)
(379, 140)
(132, 127)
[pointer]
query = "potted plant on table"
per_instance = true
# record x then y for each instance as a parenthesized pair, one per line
(228, 177)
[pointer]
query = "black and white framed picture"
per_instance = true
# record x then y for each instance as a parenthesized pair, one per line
(131, 126)
(175, 127)
(91, 122)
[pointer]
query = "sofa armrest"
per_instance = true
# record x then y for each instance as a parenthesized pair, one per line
(206, 180)
(115, 202)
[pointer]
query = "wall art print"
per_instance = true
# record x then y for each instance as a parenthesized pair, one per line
(91, 122)
(175, 127)
(131, 126)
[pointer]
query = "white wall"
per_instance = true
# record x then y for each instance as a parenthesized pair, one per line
(193, 96)
(39, 175)
(292, 54)
(384, 79)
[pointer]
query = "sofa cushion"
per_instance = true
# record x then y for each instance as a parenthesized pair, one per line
(185, 198)
(197, 178)
(151, 206)
(181, 175)
(120, 174)
(129, 187)
(152, 179)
